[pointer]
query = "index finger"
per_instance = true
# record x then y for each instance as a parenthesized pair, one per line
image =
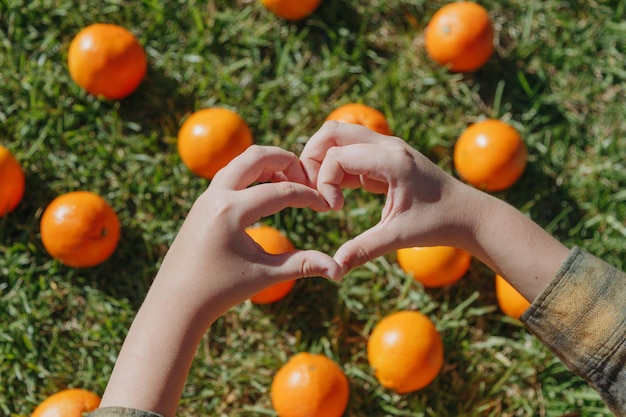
(333, 134)
(258, 162)
(364, 162)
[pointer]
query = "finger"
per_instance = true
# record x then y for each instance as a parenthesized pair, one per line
(272, 176)
(361, 164)
(266, 199)
(369, 245)
(333, 134)
(255, 163)
(301, 264)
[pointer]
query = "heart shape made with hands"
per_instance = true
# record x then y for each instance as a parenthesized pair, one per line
(343, 156)
(360, 248)
(330, 177)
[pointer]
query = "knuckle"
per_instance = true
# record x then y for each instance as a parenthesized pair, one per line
(223, 208)
(306, 268)
(331, 125)
(257, 150)
(362, 255)
(333, 153)
(285, 189)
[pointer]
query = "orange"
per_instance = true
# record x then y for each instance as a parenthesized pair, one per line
(460, 36)
(490, 155)
(107, 60)
(406, 351)
(80, 229)
(274, 242)
(361, 114)
(511, 302)
(12, 182)
(310, 385)
(434, 266)
(72, 402)
(292, 9)
(210, 138)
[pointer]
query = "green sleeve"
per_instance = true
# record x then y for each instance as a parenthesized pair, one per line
(581, 317)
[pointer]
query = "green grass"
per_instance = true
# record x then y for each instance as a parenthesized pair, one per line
(558, 75)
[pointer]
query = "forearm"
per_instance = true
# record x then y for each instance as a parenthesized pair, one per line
(513, 245)
(156, 357)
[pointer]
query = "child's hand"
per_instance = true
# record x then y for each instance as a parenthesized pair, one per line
(426, 207)
(212, 252)
(422, 202)
(212, 265)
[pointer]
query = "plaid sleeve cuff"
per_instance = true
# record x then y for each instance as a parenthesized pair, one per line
(121, 412)
(581, 317)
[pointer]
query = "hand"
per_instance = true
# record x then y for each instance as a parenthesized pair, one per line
(212, 265)
(213, 251)
(423, 203)
(425, 206)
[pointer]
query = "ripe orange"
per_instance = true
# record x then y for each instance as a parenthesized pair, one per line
(406, 351)
(274, 242)
(72, 402)
(361, 114)
(107, 60)
(12, 182)
(210, 138)
(490, 155)
(460, 35)
(310, 385)
(80, 229)
(435, 266)
(511, 302)
(292, 9)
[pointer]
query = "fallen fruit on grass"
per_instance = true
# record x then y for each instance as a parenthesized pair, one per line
(274, 242)
(511, 302)
(291, 9)
(210, 138)
(405, 351)
(434, 266)
(310, 385)
(107, 60)
(12, 182)
(80, 229)
(361, 114)
(460, 36)
(73, 402)
(490, 155)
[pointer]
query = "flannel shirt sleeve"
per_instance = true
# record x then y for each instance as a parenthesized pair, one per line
(581, 317)
(121, 412)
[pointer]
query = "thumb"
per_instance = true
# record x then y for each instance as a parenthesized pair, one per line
(371, 244)
(307, 263)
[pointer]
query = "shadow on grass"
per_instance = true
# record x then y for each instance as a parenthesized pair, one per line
(157, 105)
(527, 96)
(522, 92)
(338, 26)
(22, 224)
(307, 312)
(129, 272)
(545, 201)
(126, 274)
(340, 14)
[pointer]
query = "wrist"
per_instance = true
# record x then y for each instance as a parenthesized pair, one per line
(467, 211)
(512, 244)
